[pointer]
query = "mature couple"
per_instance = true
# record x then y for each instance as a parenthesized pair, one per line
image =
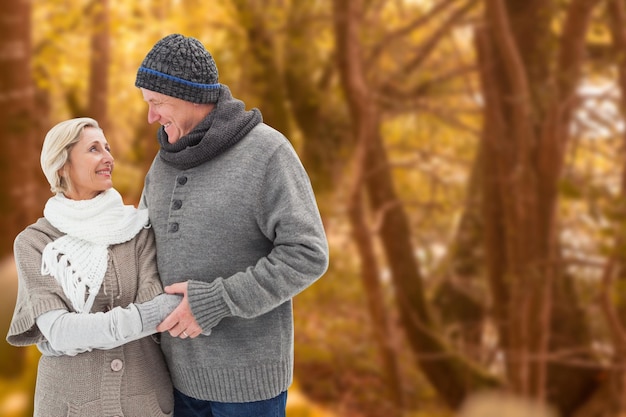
(227, 225)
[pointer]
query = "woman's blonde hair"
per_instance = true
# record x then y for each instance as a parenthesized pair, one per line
(56, 150)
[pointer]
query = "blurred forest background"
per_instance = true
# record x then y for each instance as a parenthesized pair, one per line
(468, 157)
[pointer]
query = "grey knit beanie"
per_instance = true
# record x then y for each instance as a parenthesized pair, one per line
(180, 66)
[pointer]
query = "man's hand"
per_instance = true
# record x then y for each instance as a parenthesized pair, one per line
(180, 323)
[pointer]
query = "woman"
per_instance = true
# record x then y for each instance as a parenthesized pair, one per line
(89, 294)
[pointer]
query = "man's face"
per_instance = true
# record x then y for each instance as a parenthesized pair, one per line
(178, 117)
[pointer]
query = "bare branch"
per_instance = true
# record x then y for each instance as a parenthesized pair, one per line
(410, 27)
(399, 92)
(428, 46)
(572, 46)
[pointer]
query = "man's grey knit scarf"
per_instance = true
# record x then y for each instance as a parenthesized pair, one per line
(226, 125)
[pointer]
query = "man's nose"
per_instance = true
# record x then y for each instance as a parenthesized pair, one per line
(152, 116)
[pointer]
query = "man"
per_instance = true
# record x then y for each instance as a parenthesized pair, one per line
(238, 234)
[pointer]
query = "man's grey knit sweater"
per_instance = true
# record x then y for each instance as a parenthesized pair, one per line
(244, 229)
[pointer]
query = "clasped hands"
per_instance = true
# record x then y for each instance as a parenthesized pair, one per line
(181, 322)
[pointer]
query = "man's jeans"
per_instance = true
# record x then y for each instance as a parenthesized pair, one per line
(185, 406)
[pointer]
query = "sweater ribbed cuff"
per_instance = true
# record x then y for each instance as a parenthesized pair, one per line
(149, 312)
(207, 303)
(153, 312)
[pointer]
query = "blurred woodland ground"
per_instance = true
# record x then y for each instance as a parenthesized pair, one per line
(468, 157)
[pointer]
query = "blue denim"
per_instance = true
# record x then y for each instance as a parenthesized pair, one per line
(185, 406)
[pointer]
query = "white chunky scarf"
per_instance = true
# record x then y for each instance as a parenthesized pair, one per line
(78, 260)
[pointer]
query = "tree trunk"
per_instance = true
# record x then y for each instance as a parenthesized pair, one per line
(362, 236)
(266, 77)
(617, 24)
(18, 151)
(461, 304)
(99, 65)
(309, 80)
(452, 376)
(528, 107)
(611, 398)
(20, 175)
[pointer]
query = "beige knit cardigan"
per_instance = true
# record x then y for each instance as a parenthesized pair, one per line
(131, 380)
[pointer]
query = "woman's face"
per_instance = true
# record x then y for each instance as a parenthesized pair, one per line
(90, 166)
